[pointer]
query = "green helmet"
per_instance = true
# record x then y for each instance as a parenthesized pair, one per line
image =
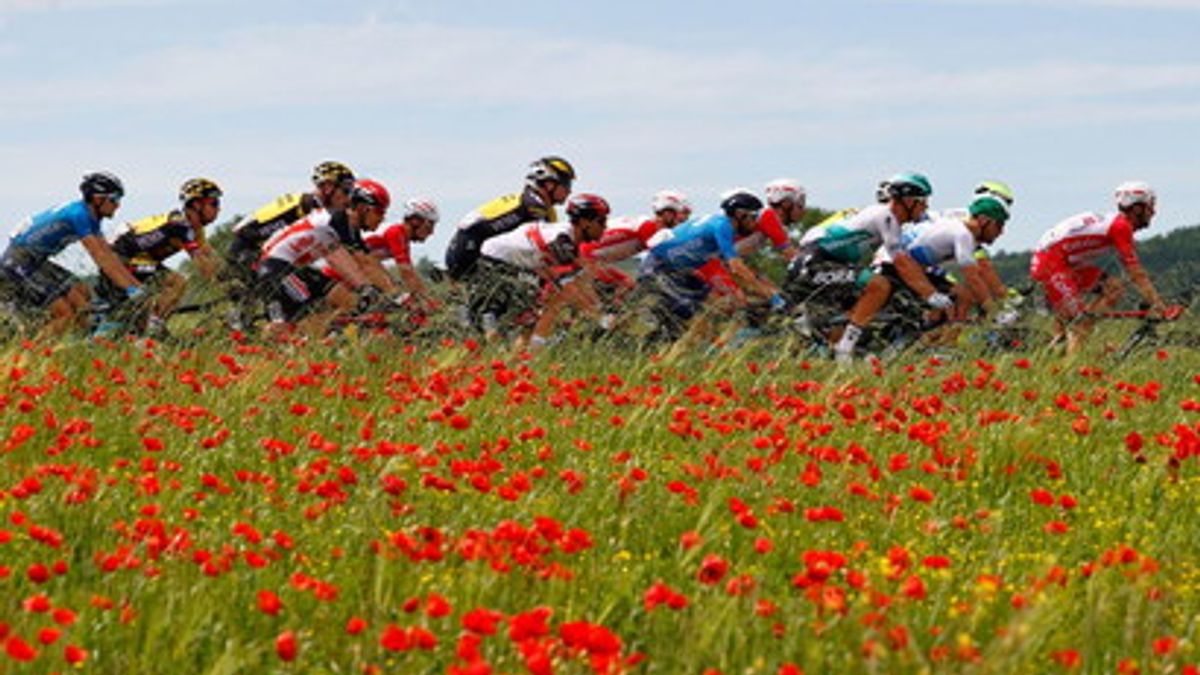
(989, 206)
(997, 189)
(909, 184)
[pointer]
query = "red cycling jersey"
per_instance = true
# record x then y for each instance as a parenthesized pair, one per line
(1064, 259)
(391, 241)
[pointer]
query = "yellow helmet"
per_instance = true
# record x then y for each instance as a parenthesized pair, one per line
(335, 172)
(551, 168)
(198, 188)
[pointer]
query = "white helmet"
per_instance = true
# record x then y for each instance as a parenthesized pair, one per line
(1134, 192)
(421, 206)
(670, 200)
(785, 189)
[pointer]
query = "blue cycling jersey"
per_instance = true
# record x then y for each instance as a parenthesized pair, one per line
(52, 230)
(696, 242)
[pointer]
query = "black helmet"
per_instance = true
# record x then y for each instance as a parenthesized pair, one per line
(101, 183)
(551, 168)
(198, 188)
(740, 199)
(334, 172)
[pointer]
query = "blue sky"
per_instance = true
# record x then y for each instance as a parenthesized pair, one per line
(1061, 98)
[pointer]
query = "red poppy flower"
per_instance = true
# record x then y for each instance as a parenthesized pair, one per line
(712, 569)
(285, 646)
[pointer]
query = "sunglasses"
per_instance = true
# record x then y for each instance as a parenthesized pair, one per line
(115, 197)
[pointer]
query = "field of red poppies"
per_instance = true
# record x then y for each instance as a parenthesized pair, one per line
(239, 508)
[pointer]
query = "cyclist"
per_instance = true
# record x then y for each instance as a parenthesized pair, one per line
(547, 184)
(671, 266)
(1002, 191)
(332, 183)
(852, 242)
(39, 282)
(1064, 261)
(394, 241)
(146, 244)
(956, 239)
(286, 270)
(786, 200)
(516, 266)
(627, 236)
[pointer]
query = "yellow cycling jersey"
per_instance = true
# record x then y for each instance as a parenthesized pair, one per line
(152, 240)
(283, 206)
(836, 216)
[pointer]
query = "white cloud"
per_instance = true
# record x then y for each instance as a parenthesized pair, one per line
(377, 63)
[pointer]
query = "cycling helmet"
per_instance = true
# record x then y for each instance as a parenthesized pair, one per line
(909, 184)
(670, 200)
(586, 205)
(101, 183)
(335, 172)
(552, 168)
(784, 189)
(367, 191)
(198, 188)
(997, 189)
(1134, 192)
(423, 207)
(989, 206)
(740, 199)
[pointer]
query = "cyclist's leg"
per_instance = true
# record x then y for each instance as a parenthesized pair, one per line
(871, 299)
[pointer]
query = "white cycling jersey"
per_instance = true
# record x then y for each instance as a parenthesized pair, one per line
(855, 238)
(312, 238)
(936, 242)
(531, 246)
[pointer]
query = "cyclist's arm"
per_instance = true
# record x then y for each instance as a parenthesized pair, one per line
(347, 268)
(108, 262)
(207, 262)
(1141, 279)
(748, 281)
(977, 284)
(412, 281)
(996, 288)
(373, 269)
(912, 275)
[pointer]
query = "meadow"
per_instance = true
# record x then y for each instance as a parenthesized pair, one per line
(242, 508)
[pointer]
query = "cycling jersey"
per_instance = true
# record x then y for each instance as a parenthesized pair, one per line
(623, 237)
(260, 225)
(1063, 261)
(855, 238)
(1086, 237)
(49, 232)
(493, 218)
(770, 229)
(534, 246)
(694, 243)
(391, 241)
(935, 242)
(312, 238)
(152, 240)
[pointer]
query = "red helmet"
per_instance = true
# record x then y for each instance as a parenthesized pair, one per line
(584, 205)
(367, 191)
